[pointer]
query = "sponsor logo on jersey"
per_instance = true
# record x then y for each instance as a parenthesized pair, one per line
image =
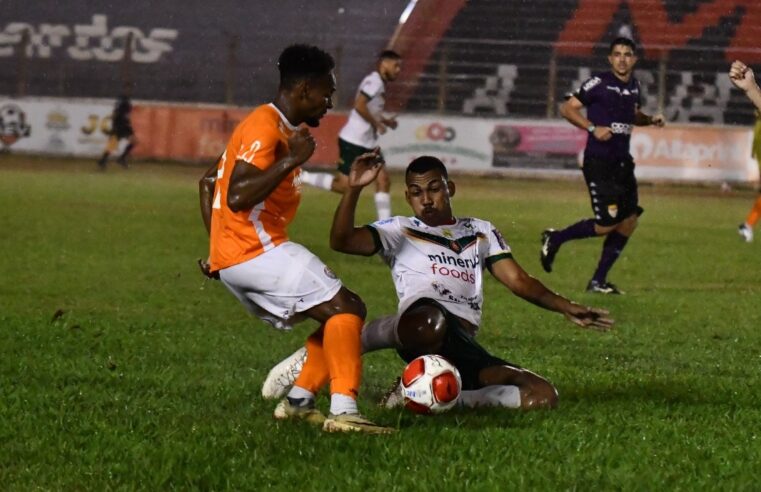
(622, 92)
(613, 210)
(591, 84)
(452, 266)
(621, 128)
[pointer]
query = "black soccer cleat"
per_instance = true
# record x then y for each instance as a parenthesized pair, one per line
(549, 250)
(603, 288)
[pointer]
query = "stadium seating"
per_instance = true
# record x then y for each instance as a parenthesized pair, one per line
(497, 62)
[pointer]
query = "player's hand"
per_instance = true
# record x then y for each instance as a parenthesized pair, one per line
(365, 168)
(205, 267)
(380, 128)
(742, 76)
(391, 123)
(301, 145)
(603, 133)
(658, 120)
(588, 317)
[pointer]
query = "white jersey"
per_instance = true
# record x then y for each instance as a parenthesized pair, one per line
(357, 130)
(443, 263)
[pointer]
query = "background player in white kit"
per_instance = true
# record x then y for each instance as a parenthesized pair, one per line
(437, 263)
(360, 134)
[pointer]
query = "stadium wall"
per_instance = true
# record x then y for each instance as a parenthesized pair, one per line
(182, 50)
(198, 133)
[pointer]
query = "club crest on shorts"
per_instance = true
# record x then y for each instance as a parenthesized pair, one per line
(613, 210)
(330, 273)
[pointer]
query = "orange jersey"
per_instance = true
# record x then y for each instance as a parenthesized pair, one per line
(261, 140)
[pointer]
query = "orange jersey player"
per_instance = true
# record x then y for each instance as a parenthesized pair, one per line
(247, 201)
(260, 140)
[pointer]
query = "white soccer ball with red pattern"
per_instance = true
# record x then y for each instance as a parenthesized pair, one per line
(430, 384)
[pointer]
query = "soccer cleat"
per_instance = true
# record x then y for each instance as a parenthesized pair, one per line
(393, 397)
(285, 411)
(281, 377)
(547, 255)
(353, 422)
(603, 288)
(746, 232)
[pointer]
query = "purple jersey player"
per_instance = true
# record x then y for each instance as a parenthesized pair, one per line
(612, 100)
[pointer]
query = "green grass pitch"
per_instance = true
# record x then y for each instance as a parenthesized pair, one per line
(150, 378)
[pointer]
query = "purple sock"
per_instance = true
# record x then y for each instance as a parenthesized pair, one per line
(611, 250)
(580, 230)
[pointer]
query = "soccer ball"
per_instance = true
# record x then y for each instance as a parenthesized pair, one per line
(430, 384)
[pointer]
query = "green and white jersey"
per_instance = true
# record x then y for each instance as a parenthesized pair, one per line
(357, 130)
(443, 263)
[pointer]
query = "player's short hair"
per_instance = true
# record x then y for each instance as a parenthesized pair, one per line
(301, 62)
(389, 55)
(622, 41)
(426, 163)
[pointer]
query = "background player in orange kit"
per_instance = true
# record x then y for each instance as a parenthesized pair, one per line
(255, 196)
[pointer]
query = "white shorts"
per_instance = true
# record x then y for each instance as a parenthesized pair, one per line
(280, 283)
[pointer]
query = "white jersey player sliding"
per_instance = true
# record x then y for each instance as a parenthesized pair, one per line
(437, 263)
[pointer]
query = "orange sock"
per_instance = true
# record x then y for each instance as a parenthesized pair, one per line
(314, 375)
(343, 352)
(754, 213)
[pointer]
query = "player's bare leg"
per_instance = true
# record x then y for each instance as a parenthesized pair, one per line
(534, 391)
(123, 157)
(111, 146)
(318, 179)
(382, 195)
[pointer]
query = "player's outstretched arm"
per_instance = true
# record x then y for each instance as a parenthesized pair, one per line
(743, 78)
(510, 274)
(642, 119)
(250, 185)
(344, 236)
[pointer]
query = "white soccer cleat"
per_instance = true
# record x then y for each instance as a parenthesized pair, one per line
(746, 232)
(281, 377)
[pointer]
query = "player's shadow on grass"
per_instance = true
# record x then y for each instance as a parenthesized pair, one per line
(682, 393)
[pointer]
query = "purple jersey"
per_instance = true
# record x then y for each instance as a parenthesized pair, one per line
(612, 103)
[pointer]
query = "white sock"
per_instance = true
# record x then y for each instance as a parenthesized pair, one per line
(342, 404)
(491, 396)
(323, 181)
(383, 205)
(299, 393)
